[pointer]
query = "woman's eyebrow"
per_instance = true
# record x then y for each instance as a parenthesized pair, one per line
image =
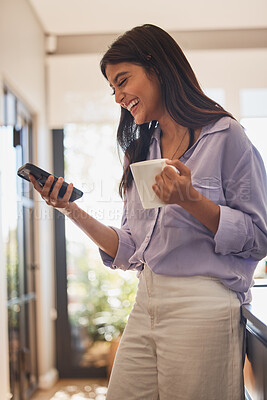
(118, 75)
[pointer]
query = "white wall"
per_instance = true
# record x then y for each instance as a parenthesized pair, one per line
(22, 68)
(79, 93)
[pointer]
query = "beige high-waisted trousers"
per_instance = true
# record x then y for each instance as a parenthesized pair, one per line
(183, 341)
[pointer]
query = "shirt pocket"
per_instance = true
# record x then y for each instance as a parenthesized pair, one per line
(210, 187)
(175, 216)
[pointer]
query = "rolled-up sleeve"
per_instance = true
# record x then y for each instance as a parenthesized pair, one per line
(235, 233)
(242, 227)
(126, 247)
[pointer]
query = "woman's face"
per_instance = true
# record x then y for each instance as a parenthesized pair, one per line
(136, 90)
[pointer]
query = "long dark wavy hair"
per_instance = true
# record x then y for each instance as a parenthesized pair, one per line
(155, 50)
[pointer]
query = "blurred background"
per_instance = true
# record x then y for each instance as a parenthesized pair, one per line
(61, 311)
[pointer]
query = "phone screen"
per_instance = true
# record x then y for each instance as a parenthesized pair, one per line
(41, 177)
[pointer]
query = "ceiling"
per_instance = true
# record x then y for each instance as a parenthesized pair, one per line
(83, 17)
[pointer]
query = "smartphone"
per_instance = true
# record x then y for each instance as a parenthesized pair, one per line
(41, 177)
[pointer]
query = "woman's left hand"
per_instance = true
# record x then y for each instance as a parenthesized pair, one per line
(175, 187)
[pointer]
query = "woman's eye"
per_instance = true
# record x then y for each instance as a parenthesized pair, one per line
(122, 82)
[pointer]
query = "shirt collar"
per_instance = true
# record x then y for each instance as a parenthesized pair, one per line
(215, 126)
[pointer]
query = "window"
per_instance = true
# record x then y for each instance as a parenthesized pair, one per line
(98, 300)
(18, 240)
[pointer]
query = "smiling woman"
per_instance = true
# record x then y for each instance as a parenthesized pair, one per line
(195, 255)
(164, 113)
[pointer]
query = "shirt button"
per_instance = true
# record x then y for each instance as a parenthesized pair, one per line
(147, 239)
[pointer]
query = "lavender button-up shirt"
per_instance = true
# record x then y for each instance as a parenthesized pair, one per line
(227, 169)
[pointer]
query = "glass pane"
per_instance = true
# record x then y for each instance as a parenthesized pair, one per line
(29, 355)
(14, 349)
(16, 232)
(11, 109)
(256, 130)
(99, 299)
(9, 208)
(9, 234)
(253, 102)
(25, 137)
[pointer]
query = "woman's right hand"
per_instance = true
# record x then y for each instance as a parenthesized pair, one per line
(52, 198)
(103, 236)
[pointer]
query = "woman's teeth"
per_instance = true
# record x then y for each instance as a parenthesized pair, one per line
(132, 104)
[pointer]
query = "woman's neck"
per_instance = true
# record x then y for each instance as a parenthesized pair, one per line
(170, 129)
(175, 138)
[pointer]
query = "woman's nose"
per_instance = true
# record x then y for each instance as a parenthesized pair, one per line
(119, 96)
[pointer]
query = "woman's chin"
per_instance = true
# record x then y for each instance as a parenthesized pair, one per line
(140, 121)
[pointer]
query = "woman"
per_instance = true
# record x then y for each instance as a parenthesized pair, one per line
(196, 255)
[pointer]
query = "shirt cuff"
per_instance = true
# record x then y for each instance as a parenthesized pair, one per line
(233, 231)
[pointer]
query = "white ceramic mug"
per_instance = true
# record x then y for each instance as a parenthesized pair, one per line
(144, 173)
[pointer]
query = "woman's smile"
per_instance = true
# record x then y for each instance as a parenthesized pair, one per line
(133, 108)
(136, 90)
(132, 105)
